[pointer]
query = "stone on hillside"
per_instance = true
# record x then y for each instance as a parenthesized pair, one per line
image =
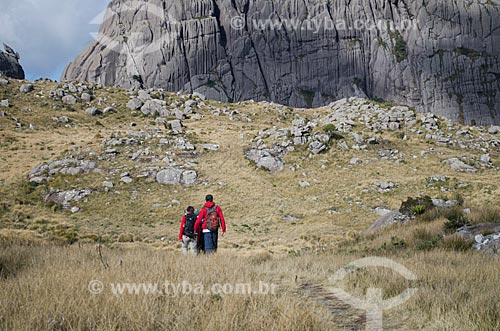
(92, 111)
(64, 198)
(135, 104)
(317, 147)
(4, 81)
(485, 158)
(210, 147)
(143, 95)
(126, 179)
(86, 97)
(494, 130)
(107, 184)
(265, 158)
(5, 103)
(438, 178)
(304, 184)
(2, 114)
(355, 161)
(176, 126)
(26, 88)
(72, 88)
(154, 108)
(393, 217)
(384, 186)
(170, 176)
(69, 99)
(189, 177)
(445, 203)
(109, 110)
(459, 165)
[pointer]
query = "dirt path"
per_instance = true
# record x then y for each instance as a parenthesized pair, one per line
(342, 315)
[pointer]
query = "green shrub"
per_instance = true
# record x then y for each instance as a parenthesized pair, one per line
(426, 240)
(456, 218)
(418, 209)
(395, 244)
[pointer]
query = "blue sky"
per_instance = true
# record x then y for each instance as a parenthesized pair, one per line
(48, 34)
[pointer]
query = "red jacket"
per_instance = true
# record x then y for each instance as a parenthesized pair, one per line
(183, 223)
(203, 214)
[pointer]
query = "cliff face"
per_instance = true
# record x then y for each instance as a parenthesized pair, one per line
(9, 64)
(442, 56)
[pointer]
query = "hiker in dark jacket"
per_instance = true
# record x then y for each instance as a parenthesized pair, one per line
(208, 222)
(187, 235)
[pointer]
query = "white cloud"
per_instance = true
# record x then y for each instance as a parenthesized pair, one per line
(48, 33)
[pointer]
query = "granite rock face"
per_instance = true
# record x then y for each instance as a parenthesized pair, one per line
(9, 64)
(441, 56)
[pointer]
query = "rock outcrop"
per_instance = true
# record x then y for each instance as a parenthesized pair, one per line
(9, 64)
(440, 56)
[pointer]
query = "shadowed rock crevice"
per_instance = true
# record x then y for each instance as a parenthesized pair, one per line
(9, 63)
(440, 56)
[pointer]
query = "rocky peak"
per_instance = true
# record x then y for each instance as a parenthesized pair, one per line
(438, 56)
(9, 63)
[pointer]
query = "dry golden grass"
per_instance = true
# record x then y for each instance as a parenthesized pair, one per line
(44, 281)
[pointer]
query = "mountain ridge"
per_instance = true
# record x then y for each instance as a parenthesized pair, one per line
(445, 60)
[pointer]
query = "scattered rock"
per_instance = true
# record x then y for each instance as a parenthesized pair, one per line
(64, 198)
(86, 97)
(355, 160)
(61, 119)
(459, 165)
(494, 130)
(176, 126)
(210, 147)
(69, 100)
(189, 177)
(109, 110)
(170, 176)
(135, 104)
(92, 111)
(445, 203)
(290, 218)
(387, 219)
(26, 88)
(268, 159)
(107, 184)
(304, 184)
(485, 158)
(126, 179)
(4, 81)
(438, 178)
(5, 103)
(384, 186)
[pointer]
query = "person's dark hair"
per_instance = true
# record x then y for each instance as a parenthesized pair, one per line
(190, 209)
(209, 198)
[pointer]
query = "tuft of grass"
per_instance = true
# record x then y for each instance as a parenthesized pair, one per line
(456, 218)
(456, 243)
(485, 214)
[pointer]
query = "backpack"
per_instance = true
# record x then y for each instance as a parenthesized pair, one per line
(212, 219)
(189, 225)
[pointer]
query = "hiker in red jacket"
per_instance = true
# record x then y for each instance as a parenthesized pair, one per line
(209, 220)
(187, 235)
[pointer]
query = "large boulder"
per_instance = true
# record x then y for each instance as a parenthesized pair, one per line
(409, 52)
(9, 64)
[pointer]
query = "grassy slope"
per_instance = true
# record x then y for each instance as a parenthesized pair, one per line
(457, 289)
